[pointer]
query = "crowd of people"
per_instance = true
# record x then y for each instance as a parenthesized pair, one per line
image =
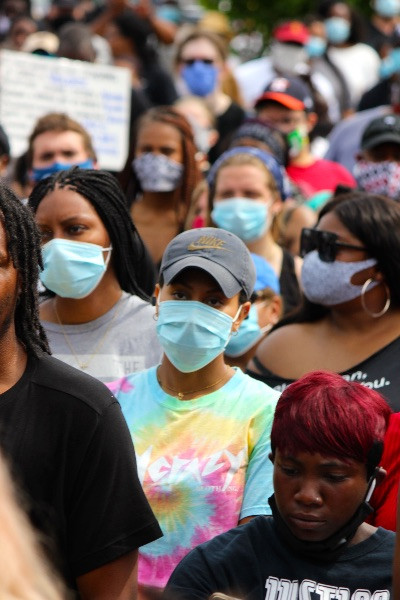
(199, 353)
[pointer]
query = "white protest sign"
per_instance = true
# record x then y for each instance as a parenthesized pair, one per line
(97, 96)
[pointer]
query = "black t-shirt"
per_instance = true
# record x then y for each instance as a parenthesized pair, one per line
(227, 123)
(379, 95)
(379, 372)
(251, 562)
(72, 457)
(379, 40)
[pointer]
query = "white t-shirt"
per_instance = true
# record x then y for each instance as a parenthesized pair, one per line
(121, 341)
(359, 65)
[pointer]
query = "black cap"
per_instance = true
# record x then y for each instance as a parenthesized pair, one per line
(381, 130)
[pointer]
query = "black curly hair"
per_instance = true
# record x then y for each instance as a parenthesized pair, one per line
(23, 242)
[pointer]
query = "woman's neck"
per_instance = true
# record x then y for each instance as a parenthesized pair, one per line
(356, 320)
(218, 102)
(188, 386)
(71, 311)
(159, 201)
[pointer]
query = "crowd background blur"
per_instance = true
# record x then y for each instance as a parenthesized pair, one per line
(276, 122)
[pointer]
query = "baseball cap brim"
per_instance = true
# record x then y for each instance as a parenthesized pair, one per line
(388, 136)
(226, 281)
(284, 99)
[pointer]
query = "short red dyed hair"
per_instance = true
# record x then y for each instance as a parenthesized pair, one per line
(324, 413)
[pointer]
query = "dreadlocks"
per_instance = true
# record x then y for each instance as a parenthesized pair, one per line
(102, 190)
(191, 174)
(23, 241)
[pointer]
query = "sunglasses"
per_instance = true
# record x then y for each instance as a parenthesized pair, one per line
(325, 242)
(191, 61)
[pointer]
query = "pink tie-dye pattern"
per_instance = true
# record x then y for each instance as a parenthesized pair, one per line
(121, 385)
(159, 568)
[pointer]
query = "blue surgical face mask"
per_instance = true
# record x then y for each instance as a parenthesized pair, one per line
(315, 46)
(191, 333)
(248, 219)
(73, 269)
(337, 30)
(200, 78)
(248, 334)
(328, 283)
(387, 8)
(169, 13)
(40, 173)
(157, 172)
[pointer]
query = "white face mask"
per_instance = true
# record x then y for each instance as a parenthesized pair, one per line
(328, 283)
(290, 59)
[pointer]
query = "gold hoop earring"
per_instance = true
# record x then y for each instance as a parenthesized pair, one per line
(155, 317)
(364, 304)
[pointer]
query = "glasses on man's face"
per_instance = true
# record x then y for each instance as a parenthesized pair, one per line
(191, 61)
(325, 242)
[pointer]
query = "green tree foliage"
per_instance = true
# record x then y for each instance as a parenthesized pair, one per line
(261, 15)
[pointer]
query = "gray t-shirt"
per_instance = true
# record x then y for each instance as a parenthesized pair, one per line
(121, 341)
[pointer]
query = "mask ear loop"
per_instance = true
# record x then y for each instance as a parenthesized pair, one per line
(267, 328)
(109, 249)
(234, 319)
(156, 307)
(371, 488)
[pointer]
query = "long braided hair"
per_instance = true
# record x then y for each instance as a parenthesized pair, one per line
(102, 190)
(23, 242)
(191, 173)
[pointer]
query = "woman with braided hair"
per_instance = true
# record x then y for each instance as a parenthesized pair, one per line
(95, 313)
(160, 176)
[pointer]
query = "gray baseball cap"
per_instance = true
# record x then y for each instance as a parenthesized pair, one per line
(218, 252)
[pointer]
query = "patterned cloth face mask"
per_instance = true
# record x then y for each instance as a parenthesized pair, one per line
(157, 173)
(328, 283)
(378, 177)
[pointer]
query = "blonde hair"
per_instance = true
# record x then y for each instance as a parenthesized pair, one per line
(24, 574)
(240, 160)
(201, 34)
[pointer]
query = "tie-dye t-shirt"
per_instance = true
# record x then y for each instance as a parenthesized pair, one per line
(203, 463)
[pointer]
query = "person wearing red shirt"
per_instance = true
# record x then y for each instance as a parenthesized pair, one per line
(287, 104)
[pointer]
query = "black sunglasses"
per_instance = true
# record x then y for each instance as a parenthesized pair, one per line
(325, 242)
(191, 61)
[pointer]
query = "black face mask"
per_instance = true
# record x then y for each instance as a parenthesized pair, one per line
(330, 549)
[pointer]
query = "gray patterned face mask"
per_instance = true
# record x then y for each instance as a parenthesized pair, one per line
(157, 173)
(328, 283)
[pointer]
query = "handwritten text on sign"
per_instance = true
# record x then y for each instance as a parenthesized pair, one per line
(97, 96)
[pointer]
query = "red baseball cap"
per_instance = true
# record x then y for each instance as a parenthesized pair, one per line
(291, 31)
